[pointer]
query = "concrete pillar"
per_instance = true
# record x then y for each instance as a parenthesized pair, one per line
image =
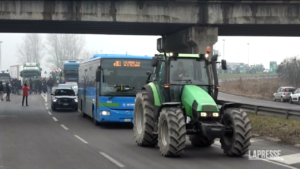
(192, 40)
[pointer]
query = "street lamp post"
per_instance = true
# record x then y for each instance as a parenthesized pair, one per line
(248, 53)
(0, 57)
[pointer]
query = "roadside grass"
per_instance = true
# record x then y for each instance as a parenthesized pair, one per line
(243, 75)
(253, 88)
(287, 130)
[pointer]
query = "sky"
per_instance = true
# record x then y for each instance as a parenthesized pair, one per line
(261, 49)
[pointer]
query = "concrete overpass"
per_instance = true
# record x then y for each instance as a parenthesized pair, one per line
(184, 25)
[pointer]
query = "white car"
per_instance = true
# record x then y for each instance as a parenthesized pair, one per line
(295, 96)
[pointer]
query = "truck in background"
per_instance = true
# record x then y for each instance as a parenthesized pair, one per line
(70, 71)
(31, 71)
(15, 71)
(5, 77)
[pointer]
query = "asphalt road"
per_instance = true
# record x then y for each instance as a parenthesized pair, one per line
(240, 99)
(31, 139)
(117, 141)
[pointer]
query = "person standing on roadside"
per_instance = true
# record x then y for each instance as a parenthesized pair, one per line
(25, 90)
(1, 90)
(8, 91)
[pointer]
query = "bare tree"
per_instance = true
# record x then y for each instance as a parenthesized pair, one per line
(289, 69)
(31, 49)
(65, 47)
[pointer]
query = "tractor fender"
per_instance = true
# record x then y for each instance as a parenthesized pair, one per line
(168, 104)
(228, 105)
(149, 93)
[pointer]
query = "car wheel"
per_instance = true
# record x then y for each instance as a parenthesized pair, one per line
(291, 100)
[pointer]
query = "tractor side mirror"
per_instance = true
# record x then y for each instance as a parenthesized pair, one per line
(98, 75)
(149, 76)
(224, 65)
(154, 61)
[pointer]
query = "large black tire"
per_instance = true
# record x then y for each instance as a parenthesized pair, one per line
(144, 122)
(201, 141)
(171, 132)
(238, 144)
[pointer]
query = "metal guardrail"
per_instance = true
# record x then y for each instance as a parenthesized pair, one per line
(287, 113)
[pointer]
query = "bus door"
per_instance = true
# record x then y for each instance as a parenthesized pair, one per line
(84, 92)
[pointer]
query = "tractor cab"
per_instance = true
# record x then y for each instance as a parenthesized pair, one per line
(171, 71)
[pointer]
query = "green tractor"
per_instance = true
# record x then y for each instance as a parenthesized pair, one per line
(178, 102)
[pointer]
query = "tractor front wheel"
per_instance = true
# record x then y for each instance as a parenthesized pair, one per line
(201, 141)
(171, 132)
(237, 143)
(143, 124)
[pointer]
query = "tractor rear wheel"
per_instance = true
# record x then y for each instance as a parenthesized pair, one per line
(171, 132)
(237, 144)
(143, 124)
(201, 141)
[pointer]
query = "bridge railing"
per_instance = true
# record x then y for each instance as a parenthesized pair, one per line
(265, 110)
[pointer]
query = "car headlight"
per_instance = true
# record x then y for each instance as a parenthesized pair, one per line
(75, 100)
(105, 113)
(54, 100)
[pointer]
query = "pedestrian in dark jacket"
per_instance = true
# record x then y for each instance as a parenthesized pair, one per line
(25, 90)
(1, 90)
(8, 91)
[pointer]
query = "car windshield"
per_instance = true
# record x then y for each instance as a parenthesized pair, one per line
(290, 89)
(124, 77)
(64, 92)
(185, 71)
(72, 83)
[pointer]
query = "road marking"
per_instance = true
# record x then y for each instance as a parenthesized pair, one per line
(289, 159)
(265, 160)
(46, 108)
(117, 163)
(45, 97)
(63, 126)
(49, 113)
(81, 139)
(54, 119)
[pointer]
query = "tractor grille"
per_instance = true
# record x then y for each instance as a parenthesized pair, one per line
(66, 100)
(211, 108)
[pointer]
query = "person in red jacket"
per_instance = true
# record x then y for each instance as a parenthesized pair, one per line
(25, 89)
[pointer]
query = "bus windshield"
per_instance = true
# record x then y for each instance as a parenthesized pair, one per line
(71, 76)
(128, 73)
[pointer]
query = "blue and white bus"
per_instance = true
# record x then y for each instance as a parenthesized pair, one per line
(111, 97)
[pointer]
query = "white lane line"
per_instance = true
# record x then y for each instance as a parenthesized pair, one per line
(81, 139)
(63, 126)
(265, 160)
(288, 159)
(46, 108)
(117, 163)
(44, 97)
(54, 119)
(49, 113)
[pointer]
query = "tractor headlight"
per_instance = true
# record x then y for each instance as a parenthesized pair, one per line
(105, 113)
(215, 114)
(206, 55)
(203, 114)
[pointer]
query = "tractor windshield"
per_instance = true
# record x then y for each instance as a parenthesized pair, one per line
(188, 71)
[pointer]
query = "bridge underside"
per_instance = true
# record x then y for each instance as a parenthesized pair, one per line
(126, 28)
